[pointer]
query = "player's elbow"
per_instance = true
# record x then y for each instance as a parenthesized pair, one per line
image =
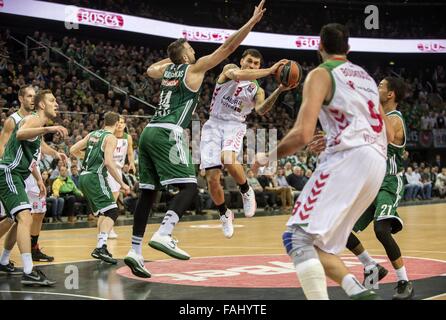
(304, 136)
(20, 135)
(152, 72)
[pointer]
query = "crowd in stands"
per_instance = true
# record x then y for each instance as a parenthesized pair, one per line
(290, 17)
(82, 99)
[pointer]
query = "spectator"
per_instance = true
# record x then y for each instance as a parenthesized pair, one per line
(441, 183)
(65, 188)
(130, 179)
(427, 183)
(75, 175)
(204, 200)
(269, 184)
(296, 180)
(263, 198)
(56, 203)
(413, 186)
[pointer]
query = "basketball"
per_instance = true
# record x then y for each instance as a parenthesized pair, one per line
(289, 74)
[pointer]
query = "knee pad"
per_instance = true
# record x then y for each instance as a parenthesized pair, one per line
(112, 214)
(299, 245)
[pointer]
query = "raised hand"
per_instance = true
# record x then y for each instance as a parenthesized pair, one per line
(258, 12)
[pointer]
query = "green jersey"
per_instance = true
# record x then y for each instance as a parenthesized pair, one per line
(395, 152)
(94, 154)
(21, 156)
(177, 101)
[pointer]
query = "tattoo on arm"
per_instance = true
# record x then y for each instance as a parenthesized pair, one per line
(269, 102)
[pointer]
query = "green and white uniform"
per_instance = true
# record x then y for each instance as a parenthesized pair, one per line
(93, 179)
(164, 156)
(392, 188)
(19, 159)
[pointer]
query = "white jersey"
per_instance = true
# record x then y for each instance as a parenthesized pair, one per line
(233, 100)
(352, 118)
(121, 151)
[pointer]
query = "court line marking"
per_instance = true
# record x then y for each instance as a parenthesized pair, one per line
(437, 296)
(55, 293)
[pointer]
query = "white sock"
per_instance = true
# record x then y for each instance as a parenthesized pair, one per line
(401, 274)
(137, 244)
(366, 259)
(27, 263)
(169, 222)
(311, 276)
(351, 285)
(102, 239)
(4, 260)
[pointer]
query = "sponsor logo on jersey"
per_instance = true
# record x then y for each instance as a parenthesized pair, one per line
(251, 87)
(101, 18)
(170, 83)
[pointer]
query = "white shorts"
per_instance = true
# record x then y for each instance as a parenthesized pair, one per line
(38, 204)
(342, 187)
(114, 185)
(218, 136)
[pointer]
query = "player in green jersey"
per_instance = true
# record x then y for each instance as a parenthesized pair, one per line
(383, 210)
(26, 97)
(18, 161)
(98, 161)
(164, 158)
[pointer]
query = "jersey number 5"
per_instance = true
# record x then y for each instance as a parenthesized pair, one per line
(377, 128)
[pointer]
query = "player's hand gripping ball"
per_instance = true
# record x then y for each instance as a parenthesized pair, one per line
(289, 74)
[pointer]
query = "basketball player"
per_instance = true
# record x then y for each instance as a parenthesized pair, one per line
(19, 159)
(124, 148)
(236, 94)
(164, 158)
(99, 146)
(346, 100)
(383, 210)
(26, 97)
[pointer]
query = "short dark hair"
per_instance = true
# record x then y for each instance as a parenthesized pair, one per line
(110, 118)
(23, 89)
(397, 86)
(253, 52)
(334, 38)
(175, 50)
(40, 96)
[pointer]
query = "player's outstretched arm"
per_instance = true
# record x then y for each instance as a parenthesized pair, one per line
(31, 127)
(157, 69)
(233, 72)
(77, 148)
(208, 62)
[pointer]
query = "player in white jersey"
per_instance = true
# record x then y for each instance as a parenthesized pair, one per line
(350, 171)
(124, 149)
(26, 97)
(235, 95)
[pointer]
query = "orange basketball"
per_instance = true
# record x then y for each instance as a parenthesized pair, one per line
(289, 74)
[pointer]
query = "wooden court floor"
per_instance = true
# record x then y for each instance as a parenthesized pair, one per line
(423, 237)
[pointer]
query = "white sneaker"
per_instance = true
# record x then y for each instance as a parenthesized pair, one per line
(226, 223)
(136, 263)
(249, 203)
(112, 234)
(168, 245)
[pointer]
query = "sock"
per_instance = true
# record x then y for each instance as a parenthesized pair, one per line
(312, 278)
(27, 263)
(401, 274)
(366, 259)
(102, 239)
(244, 187)
(222, 208)
(34, 240)
(4, 260)
(169, 222)
(351, 285)
(136, 244)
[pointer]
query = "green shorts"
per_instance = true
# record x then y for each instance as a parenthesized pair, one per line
(384, 206)
(12, 193)
(97, 192)
(164, 158)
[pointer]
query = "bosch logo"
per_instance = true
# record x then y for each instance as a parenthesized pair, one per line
(104, 19)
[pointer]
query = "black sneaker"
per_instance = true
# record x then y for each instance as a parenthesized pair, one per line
(104, 255)
(366, 295)
(37, 278)
(382, 272)
(404, 290)
(10, 269)
(40, 256)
